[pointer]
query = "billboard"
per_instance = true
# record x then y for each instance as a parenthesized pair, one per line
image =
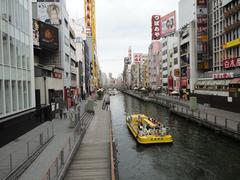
(48, 36)
(49, 12)
(36, 29)
(137, 58)
(156, 27)
(45, 36)
(168, 23)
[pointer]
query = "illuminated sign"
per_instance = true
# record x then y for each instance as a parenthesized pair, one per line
(223, 76)
(231, 63)
(156, 27)
(232, 43)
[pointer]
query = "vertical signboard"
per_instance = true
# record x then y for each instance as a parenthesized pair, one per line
(137, 58)
(88, 17)
(156, 27)
(202, 34)
(168, 24)
(130, 54)
(49, 12)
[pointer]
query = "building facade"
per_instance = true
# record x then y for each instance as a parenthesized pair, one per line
(16, 58)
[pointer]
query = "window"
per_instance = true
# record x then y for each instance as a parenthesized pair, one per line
(1, 98)
(12, 51)
(25, 94)
(5, 48)
(7, 96)
(29, 94)
(20, 96)
(14, 95)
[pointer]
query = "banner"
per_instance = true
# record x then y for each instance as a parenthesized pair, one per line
(49, 12)
(156, 27)
(168, 23)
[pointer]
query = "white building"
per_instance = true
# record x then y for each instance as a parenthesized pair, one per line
(167, 61)
(17, 91)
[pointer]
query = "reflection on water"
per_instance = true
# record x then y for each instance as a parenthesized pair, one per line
(196, 154)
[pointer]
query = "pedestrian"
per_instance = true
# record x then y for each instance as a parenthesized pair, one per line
(106, 102)
(61, 113)
(65, 113)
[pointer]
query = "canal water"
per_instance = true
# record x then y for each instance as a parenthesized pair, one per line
(196, 154)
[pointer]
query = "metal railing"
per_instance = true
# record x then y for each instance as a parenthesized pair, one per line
(63, 155)
(13, 156)
(219, 121)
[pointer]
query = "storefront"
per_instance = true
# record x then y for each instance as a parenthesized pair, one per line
(234, 87)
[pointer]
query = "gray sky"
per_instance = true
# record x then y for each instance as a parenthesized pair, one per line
(120, 24)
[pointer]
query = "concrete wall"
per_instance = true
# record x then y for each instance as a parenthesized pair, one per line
(51, 83)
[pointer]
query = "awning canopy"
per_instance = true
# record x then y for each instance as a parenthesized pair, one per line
(235, 81)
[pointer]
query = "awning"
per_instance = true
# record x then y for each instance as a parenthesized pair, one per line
(235, 81)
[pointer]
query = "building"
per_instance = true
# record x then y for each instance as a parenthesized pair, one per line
(189, 71)
(154, 56)
(16, 59)
(167, 62)
(176, 65)
(145, 70)
(18, 112)
(231, 44)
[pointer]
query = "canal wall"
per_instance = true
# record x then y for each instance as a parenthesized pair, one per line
(224, 122)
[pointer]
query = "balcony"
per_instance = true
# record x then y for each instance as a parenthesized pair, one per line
(231, 11)
(233, 26)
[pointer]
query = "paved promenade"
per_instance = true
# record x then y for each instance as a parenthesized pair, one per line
(92, 160)
(62, 133)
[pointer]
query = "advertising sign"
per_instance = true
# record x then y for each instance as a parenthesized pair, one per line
(202, 34)
(36, 29)
(156, 27)
(137, 57)
(168, 23)
(48, 37)
(49, 12)
(231, 63)
(223, 76)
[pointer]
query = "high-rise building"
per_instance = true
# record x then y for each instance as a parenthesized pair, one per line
(17, 92)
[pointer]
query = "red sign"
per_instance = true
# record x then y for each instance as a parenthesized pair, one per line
(57, 75)
(231, 63)
(223, 76)
(156, 27)
(168, 23)
(137, 58)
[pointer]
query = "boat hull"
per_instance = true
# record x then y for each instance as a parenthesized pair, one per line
(150, 139)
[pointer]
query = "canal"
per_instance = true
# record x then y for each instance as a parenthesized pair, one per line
(196, 154)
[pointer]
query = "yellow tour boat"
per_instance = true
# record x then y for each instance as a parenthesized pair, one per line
(147, 130)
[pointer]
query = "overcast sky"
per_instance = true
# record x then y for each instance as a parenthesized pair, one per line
(120, 24)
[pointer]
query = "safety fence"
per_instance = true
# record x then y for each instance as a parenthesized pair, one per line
(63, 155)
(16, 154)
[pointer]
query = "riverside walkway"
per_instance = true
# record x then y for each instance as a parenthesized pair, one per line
(93, 158)
(222, 121)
